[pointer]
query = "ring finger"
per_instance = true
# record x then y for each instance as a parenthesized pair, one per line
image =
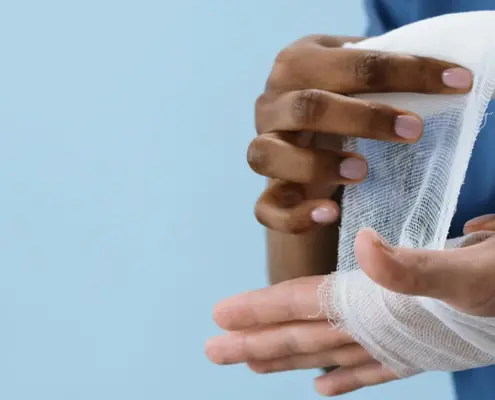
(345, 356)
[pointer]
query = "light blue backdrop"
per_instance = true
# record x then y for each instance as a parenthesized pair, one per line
(126, 199)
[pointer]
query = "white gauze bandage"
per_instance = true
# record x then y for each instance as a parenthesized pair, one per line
(410, 197)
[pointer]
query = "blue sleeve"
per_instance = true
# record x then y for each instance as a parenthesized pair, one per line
(379, 17)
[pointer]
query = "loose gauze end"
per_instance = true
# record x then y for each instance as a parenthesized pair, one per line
(410, 198)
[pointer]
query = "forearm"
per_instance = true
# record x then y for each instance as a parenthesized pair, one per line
(293, 256)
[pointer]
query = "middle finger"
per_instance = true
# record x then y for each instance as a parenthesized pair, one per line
(276, 341)
(324, 112)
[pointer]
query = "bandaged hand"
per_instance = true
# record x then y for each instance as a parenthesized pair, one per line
(280, 328)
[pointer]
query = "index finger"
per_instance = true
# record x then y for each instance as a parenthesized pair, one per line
(353, 71)
(292, 300)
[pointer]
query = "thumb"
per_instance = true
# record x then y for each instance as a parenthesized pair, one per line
(448, 275)
(483, 223)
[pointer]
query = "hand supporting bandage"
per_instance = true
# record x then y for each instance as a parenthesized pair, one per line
(410, 198)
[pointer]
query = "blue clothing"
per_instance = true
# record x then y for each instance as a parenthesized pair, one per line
(478, 192)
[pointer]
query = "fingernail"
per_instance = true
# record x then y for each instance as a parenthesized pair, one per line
(380, 241)
(323, 215)
(353, 168)
(457, 78)
(408, 127)
(481, 220)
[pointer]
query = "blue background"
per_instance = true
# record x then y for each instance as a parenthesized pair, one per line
(126, 201)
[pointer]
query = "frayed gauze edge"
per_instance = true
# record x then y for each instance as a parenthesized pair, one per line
(481, 345)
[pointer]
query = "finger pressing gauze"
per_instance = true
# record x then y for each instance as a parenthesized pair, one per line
(410, 197)
(319, 111)
(271, 156)
(352, 70)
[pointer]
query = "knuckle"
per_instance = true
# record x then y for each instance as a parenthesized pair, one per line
(421, 280)
(257, 155)
(285, 56)
(260, 215)
(372, 68)
(323, 40)
(259, 112)
(288, 67)
(292, 295)
(308, 107)
(282, 65)
(292, 341)
(247, 348)
(264, 217)
(277, 209)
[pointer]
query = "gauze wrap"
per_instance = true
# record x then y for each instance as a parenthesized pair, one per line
(410, 197)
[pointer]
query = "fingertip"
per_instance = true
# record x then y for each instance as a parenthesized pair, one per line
(365, 234)
(354, 168)
(222, 315)
(458, 78)
(210, 350)
(223, 350)
(325, 214)
(365, 248)
(373, 253)
(368, 242)
(485, 222)
(326, 387)
(409, 127)
(469, 228)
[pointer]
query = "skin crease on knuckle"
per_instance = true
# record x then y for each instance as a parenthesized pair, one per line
(382, 72)
(282, 74)
(373, 69)
(257, 156)
(308, 108)
(261, 103)
(270, 156)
